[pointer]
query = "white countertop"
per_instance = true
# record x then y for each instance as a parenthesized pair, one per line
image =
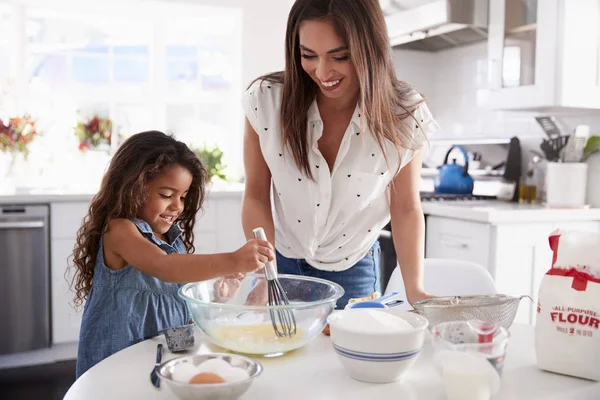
(486, 211)
(496, 211)
(44, 196)
(314, 372)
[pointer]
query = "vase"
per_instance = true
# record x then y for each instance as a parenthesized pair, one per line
(8, 164)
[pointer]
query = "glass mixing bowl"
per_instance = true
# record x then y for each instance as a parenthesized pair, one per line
(234, 315)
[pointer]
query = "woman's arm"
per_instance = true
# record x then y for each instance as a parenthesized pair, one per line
(408, 227)
(256, 205)
(125, 243)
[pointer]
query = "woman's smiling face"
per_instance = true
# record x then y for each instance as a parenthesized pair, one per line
(326, 59)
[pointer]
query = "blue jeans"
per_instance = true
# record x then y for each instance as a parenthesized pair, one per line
(360, 280)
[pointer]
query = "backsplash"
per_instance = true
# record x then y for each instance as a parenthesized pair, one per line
(450, 80)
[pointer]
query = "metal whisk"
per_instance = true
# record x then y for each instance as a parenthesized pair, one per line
(283, 320)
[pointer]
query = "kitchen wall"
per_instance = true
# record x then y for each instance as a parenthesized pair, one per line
(451, 80)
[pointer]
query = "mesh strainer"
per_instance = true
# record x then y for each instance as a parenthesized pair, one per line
(497, 309)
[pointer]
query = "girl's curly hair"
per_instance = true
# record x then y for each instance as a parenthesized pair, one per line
(123, 192)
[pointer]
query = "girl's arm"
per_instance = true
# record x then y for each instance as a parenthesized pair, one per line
(256, 205)
(124, 243)
(408, 227)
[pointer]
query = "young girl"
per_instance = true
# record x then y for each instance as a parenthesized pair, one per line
(132, 249)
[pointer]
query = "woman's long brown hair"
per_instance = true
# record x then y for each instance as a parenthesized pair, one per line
(384, 100)
(122, 194)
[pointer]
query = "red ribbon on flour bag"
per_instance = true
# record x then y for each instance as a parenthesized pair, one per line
(578, 272)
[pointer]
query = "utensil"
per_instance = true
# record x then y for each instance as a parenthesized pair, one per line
(283, 320)
(380, 302)
(154, 375)
(469, 356)
(497, 309)
(573, 151)
(548, 124)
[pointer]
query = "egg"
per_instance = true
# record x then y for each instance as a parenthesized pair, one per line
(223, 369)
(235, 374)
(183, 372)
(206, 372)
(215, 365)
(206, 378)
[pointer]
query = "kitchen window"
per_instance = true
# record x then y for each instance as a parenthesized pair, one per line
(171, 67)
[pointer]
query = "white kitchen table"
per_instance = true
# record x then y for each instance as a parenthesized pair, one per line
(314, 373)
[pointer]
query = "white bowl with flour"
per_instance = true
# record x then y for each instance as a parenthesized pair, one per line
(377, 345)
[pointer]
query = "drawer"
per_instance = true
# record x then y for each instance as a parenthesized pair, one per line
(66, 219)
(459, 240)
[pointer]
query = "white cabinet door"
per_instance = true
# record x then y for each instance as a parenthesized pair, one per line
(65, 320)
(543, 55)
(522, 39)
(459, 240)
(66, 218)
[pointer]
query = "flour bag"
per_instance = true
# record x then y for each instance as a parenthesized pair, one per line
(567, 337)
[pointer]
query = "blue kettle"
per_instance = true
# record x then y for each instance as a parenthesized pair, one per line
(454, 178)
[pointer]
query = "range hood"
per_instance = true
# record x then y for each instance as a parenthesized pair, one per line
(433, 25)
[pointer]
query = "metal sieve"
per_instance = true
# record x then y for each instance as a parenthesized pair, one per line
(497, 309)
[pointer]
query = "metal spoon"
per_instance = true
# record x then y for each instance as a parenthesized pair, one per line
(153, 375)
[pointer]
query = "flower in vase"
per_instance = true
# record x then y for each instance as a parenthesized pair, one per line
(17, 133)
(95, 133)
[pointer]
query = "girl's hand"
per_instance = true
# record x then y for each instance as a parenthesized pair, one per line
(252, 256)
(259, 295)
(227, 287)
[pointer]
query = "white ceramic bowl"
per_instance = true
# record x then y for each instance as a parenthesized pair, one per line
(219, 391)
(377, 357)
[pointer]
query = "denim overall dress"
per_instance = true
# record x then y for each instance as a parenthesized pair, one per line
(127, 306)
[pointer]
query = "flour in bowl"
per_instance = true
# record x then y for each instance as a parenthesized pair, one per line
(372, 321)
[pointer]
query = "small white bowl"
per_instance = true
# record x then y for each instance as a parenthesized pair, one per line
(218, 391)
(377, 357)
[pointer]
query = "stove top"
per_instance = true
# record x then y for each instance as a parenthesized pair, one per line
(430, 196)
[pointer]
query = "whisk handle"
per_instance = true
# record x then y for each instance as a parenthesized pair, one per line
(270, 271)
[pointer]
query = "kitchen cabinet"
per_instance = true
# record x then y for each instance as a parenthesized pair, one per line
(543, 55)
(457, 239)
(65, 220)
(218, 229)
(517, 255)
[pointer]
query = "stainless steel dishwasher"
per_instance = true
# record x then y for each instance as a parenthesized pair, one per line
(24, 278)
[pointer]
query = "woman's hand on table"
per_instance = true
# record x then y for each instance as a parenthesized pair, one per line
(418, 295)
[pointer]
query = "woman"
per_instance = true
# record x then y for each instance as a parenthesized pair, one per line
(336, 136)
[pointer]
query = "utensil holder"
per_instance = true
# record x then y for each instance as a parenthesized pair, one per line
(566, 184)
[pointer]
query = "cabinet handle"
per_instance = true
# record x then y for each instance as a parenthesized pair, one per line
(457, 245)
(22, 225)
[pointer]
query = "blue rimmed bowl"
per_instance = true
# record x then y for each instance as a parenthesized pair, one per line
(375, 356)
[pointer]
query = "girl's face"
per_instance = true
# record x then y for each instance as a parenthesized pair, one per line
(166, 198)
(326, 58)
